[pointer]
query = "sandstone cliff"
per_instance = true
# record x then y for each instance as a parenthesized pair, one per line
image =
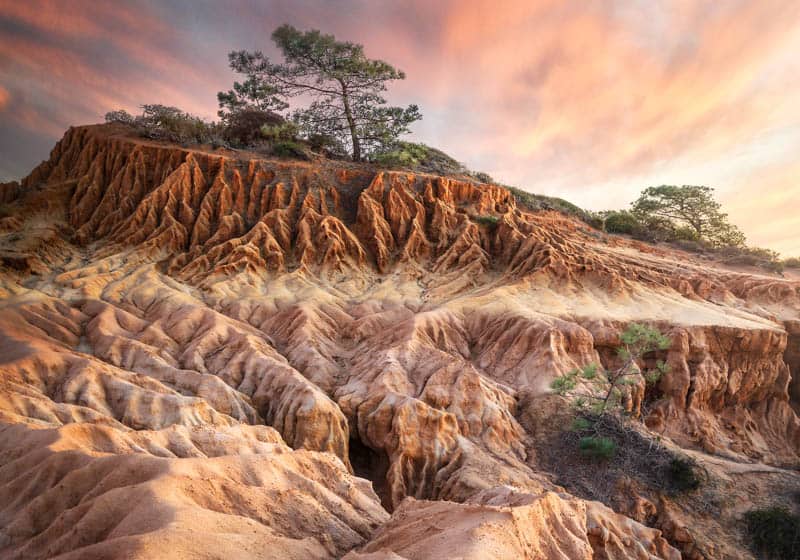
(162, 305)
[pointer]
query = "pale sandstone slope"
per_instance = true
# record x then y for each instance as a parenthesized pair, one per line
(90, 491)
(366, 316)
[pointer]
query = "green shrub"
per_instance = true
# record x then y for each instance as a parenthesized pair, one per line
(621, 222)
(751, 256)
(284, 131)
(244, 127)
(774, 533)
(418, 157)
(170, 123)
(405, 154)
(289, 149)
(162, 122)
(691, 246)
(594, 220)
(580, 424)
(683, 475)
(747, 255)
(484, 177)
(120, 116)
(792, 262)
(328, 145)
(597, 447)
(685, 234)
(531, 201)
(487, 220)
(655, 229)
(436, 161)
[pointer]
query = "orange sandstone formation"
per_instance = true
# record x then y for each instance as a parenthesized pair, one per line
(174, 322)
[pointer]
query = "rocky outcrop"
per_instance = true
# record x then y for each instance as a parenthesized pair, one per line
(502, 523)
(728, 389)
(390, 325)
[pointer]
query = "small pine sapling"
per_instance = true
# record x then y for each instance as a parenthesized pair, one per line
(602, 391)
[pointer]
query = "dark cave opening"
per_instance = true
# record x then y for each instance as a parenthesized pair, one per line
(372, 465)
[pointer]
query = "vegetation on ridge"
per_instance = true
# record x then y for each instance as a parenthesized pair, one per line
(689, 212)
(346, 88)
(418, 157)
(348, 117)
(162, 122)
(686, 213)
(689, 218)
(486, 220)
(533, 202)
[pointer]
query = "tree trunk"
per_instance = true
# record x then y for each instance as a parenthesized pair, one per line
(351, 124)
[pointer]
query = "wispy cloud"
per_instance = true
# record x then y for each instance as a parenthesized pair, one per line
(589, 101)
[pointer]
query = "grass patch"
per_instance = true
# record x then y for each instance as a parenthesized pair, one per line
(486, 220)
(597, 447)
(533, 202)
(418, 157)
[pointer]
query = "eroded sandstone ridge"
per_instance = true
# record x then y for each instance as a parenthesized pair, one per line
(203, 351)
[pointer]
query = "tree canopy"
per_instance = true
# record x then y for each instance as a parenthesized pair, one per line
(690, 210)
(345, 88)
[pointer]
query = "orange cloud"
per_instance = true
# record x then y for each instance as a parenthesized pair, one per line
(593, 86)
(764, 204)
(588, 101)
(5, 97)
(594, 102)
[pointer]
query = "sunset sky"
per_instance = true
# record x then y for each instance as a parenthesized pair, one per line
(587, 100)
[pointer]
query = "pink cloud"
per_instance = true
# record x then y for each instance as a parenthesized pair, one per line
(586, 84)
(589, 101)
